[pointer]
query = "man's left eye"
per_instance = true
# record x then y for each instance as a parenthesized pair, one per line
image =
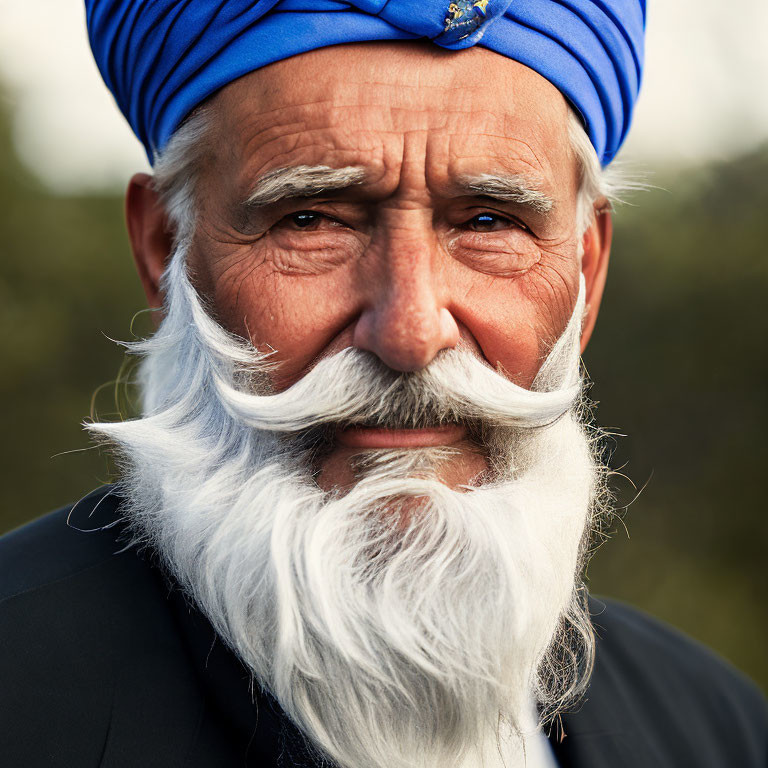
(489, 222)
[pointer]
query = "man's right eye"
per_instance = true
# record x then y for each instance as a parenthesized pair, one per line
(310, 221)
(304, 219)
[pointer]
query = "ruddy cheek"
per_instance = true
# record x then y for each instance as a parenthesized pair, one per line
(497, 315)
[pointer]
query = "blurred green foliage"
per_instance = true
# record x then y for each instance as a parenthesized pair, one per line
(679, 359)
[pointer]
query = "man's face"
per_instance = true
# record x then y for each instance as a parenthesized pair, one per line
(415, 254)
(358, 210)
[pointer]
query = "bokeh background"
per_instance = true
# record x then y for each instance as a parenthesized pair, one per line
(679, 357)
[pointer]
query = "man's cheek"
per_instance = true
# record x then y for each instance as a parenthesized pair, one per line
(515, 320)
(550, 290)
(299, 316)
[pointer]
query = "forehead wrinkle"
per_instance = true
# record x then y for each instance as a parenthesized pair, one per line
(331, 142)
(315, 148)
(377, 117)
(267, 134)
(404, 96)
(508, 151)
(281, 123)
(293, 126)
(506, 165)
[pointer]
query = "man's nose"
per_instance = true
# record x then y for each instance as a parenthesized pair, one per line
(406, 321)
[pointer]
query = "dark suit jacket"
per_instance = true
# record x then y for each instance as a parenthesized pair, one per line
(104, 664)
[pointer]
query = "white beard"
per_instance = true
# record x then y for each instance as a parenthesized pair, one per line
(421, 644)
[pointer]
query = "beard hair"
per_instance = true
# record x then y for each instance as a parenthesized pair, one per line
(401, 623)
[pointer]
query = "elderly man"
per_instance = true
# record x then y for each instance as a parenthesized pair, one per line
(352, 519)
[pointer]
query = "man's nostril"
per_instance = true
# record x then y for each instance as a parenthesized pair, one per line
(406, 340)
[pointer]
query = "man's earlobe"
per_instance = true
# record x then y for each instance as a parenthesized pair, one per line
(596, 244)
(151, 240)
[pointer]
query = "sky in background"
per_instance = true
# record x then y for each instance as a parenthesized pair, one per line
(705, 93)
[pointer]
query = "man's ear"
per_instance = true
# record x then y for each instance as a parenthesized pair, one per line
(594, 265)
(151, 240)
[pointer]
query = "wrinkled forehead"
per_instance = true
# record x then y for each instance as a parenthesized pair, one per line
(466, 112)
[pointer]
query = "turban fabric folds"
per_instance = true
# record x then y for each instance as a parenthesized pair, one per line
(161, 58)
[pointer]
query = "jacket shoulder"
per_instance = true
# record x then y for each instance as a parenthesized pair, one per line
(59, 545)
(644, 642)
(58, 586)
(687, 703)
(92, 668)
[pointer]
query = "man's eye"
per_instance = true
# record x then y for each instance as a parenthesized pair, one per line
(305, 219)
(310, 221)
(489, 222)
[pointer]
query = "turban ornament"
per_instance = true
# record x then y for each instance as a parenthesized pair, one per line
(162, 58)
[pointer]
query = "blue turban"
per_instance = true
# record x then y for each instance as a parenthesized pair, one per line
(161, 58)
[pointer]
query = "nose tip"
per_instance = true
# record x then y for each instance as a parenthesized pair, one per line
(406, 339)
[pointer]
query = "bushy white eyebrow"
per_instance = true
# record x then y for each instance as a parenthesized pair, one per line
(310, 180)
(509, 189)
(302, 181)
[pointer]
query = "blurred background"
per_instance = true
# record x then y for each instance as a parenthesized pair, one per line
(679, 357)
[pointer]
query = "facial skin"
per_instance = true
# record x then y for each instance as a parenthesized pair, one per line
(406, 263)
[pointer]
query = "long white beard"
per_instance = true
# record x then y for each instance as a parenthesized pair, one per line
(414, 644)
